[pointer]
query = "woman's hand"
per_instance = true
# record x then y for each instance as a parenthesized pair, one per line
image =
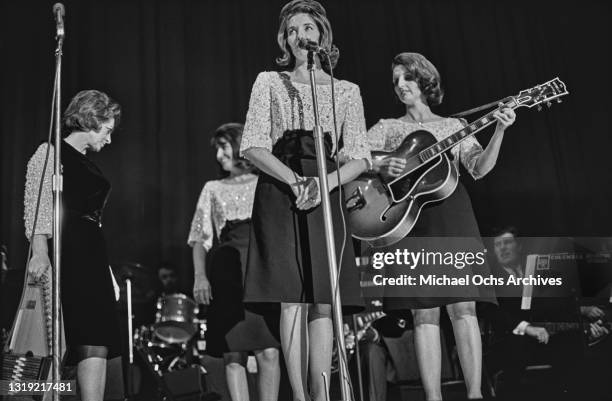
(389, 167)
(297, 186)
(310, 196)
(38, 265)
(505, 117)
(202, 291)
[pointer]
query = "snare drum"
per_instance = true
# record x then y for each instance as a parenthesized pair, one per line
(175, 318)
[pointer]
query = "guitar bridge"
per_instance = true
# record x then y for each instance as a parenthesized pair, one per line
(356, 201)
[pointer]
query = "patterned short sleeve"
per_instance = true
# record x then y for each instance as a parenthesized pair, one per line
(470, 150)
(202, 224)
(258, 126)
(354, 129)
(44, 222)
(377, 136)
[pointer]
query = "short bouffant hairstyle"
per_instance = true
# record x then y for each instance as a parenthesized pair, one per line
(316, 11)
(423, 72)
(87, 111)
(232, 133)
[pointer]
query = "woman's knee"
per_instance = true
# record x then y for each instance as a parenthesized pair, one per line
(426, 316)
(319, 311)
(82, 352)
(234, 360)
(268, 356)
(293, 309)
(460, 310)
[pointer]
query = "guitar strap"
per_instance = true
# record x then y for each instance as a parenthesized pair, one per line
(480, 108)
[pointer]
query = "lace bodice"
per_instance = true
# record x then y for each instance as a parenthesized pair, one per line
(221, 201)
(388, 134)
(44, 223)
(279, 105)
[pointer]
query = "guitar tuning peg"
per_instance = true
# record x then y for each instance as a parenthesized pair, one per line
(559, 100)
(539, 107)
(548, 104)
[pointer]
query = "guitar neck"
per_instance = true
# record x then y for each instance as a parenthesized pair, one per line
(556, 327)
(456, 138)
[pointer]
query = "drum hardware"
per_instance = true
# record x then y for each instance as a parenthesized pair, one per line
(164, 356)
(175, 320)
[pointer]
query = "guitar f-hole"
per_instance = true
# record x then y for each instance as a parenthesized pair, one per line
(383, 215)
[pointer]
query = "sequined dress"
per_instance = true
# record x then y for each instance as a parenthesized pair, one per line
(87, 295)
(221, 225)
(453, 218)
(287, 259)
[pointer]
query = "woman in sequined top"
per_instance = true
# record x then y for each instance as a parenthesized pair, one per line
(417, 85)
(287, 270)
(219, 236)
(91, 323)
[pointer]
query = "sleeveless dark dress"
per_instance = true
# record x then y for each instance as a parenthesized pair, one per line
(231, 328)
(287, 259)
(88, 298)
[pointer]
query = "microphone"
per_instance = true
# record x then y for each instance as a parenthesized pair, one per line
(59, 12)
(311, 46)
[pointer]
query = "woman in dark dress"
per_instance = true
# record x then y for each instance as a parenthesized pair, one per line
(287, 268)
(417, 85)
(220, 228)
(88, 297)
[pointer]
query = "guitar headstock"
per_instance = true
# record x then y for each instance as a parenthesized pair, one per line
(543, 93)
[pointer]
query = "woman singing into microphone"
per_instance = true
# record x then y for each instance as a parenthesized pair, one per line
(287, 269)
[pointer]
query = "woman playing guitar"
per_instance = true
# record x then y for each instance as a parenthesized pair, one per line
(417, 85)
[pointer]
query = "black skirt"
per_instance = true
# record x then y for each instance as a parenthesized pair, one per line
(88, 298)
(287, 260)
(231, 328)
(449, 225)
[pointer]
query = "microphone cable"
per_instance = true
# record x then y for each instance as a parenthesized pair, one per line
(336, 285)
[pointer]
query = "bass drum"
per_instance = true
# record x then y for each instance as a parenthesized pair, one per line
(175, 320)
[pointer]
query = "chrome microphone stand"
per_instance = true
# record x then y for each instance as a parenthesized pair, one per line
(57, 209)
(329, 235)
(130, 370)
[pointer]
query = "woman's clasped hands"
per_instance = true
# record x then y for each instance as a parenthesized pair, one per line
(307, 192)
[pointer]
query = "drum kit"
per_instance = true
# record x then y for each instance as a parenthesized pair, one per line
(176, 339)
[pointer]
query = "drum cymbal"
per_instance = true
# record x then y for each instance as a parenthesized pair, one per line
(141, 278)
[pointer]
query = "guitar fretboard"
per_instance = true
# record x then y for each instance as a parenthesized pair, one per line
(457, 137)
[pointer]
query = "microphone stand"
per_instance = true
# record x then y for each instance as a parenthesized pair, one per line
(130, 369)
(329, 236)
(57, 208)
(358, 357)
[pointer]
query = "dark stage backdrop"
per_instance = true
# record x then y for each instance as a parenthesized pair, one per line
(180, 68)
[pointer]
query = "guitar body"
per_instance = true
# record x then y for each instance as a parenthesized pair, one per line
(383, 213)
(28, 352)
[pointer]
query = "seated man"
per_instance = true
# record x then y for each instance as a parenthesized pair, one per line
(168, 279)
(517, 340)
